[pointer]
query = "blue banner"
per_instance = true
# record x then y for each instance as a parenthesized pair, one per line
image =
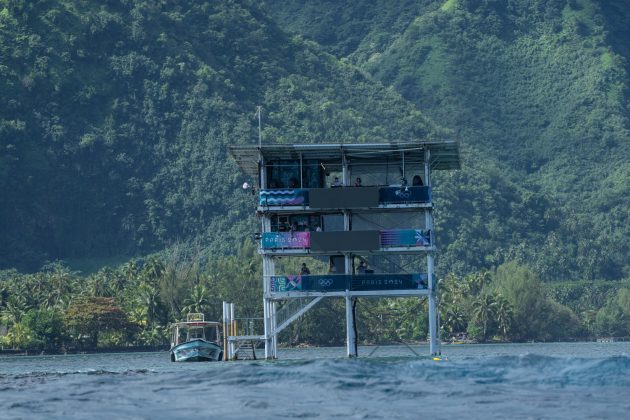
(369, 282)
(400, 195)
(341, 282)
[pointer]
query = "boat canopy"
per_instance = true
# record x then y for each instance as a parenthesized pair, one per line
(195, 320)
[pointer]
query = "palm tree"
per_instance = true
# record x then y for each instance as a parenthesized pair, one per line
(153, 336)
(484, 310)
(39, 286)
(14, 309)
(62, 282)
(199, 300)
(118, 280)
(152, 271)
(19, 336)
(130, 271)
(138, 315)
(476, 281)
(97, 285)
(148, 296)
(453, 318)
(4, 295)
(589, 318)
(504, 312)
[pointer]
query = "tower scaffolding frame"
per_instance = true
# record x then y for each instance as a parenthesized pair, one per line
(310, 194)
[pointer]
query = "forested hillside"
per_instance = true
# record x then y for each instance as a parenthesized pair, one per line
(537, 91)
(115, 118)
(116, 115)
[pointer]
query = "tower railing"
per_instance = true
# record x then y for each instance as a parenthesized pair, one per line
(383, 195)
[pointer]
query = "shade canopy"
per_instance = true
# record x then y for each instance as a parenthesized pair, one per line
(444, 155)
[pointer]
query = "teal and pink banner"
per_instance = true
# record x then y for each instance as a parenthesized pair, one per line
(387, 195)
(286, 240)
(388, 238)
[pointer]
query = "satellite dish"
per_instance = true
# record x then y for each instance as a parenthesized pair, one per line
(246, 185)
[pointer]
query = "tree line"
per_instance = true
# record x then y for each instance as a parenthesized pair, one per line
(132, 304)
(57, 309)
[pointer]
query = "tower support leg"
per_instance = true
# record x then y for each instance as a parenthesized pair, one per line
(351, 339)
(433, 343)
(267, 325)
(274, 325)
(433, 330)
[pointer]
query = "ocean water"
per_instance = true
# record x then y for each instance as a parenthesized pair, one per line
(560, 380)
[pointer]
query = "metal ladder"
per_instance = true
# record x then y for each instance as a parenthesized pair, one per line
(246, 350)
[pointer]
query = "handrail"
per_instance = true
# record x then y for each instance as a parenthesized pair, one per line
(292, 310)
(248, 326)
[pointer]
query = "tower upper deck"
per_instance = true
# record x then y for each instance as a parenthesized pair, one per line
(444, 155)
(299, 177)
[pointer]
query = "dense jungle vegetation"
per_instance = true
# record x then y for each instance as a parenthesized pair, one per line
(116, 116)
(57, 309)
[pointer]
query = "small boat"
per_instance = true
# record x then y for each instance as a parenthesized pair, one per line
(195, 340)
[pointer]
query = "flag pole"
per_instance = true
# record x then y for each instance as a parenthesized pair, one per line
(259, 112)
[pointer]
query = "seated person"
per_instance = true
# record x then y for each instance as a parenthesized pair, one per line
(357, 183)
(362, 267)
(417, 181)
(304, 271)
(336, 182)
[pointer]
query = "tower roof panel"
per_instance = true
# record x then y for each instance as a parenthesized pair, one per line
(444, 155)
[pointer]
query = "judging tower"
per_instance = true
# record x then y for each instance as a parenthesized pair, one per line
(365, 211)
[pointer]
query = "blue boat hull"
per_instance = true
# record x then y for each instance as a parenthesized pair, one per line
(197, 351)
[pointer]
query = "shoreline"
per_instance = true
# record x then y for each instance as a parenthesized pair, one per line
(150, 349)
(37, 352)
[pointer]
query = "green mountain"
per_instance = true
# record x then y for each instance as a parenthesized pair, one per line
(116, 116)
(537, 91)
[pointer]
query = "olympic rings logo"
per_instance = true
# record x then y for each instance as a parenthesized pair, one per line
(325, 282)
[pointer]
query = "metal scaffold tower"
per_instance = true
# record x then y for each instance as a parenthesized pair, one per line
(365, 209)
